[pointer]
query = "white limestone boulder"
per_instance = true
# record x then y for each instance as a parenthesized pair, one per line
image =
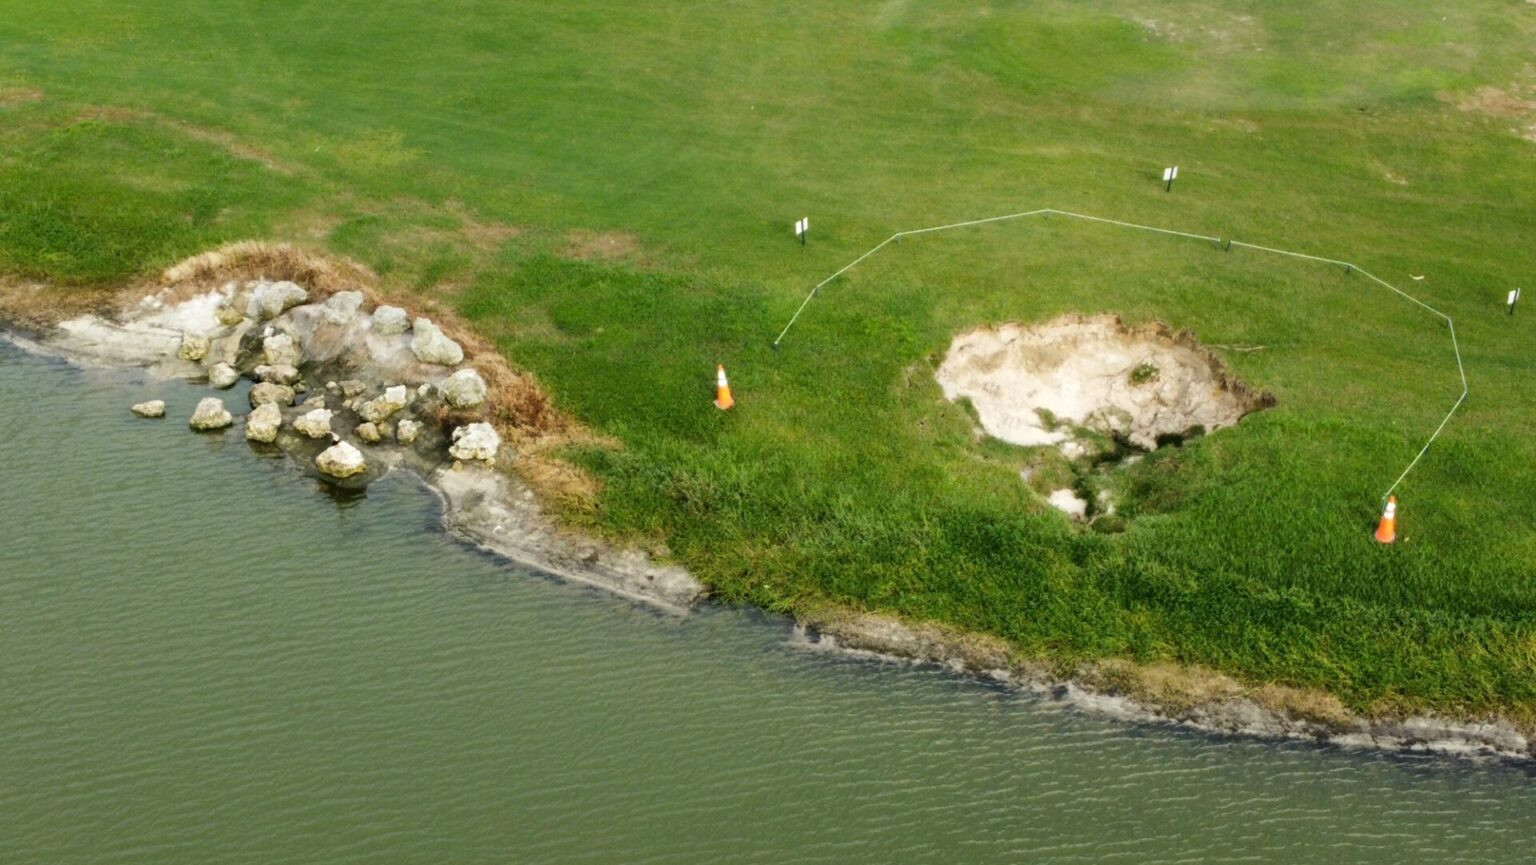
(267, 391)
(406, 431)
(341, 460)
(222, 376)
(263, 423)
(390, 320)
(476, 441)
(431, 345)
(280, 349)
(316, 423)
(211, 415)
(341, 307)
(463, 389)
(378, 409)
(152, 408)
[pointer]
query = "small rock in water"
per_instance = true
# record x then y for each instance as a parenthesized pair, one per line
(407, 431)
(369, 433)
(341, 460)
(267, 391)
(263, 423)
(431, 345)
(279, 373)
(342, 307)
(423, 390)
(210, 415)
(279, 349)
(315, 424)
(193, 347)
(352, 387)
(153, 408)
(381, 407)
(222, 376)
(476, 441)
(390, 320)
(463, 389)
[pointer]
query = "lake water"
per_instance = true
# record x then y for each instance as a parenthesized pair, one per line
(204, 658)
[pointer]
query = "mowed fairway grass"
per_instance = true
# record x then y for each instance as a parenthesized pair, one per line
(608, 189)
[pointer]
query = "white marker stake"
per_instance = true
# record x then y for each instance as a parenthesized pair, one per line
(1169, 176)
(1514, 296)
(802, 228)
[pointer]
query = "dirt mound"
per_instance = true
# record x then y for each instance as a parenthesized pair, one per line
(1036, 384)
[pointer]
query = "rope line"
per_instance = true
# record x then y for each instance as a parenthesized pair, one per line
(1347, 265)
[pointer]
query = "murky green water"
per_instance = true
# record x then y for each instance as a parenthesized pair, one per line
(204, 659)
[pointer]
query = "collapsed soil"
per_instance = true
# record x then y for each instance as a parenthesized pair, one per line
(1036, 384)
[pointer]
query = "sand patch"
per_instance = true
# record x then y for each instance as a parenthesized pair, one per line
(1033, 384)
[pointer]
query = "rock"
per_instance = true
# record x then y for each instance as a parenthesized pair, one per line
(271, 299)
(153, 408)
(267, 391)
(316, 424)
(280, 373)
(342, 307)
(193, 348)
(210, 415)
(263, 423)
(369, 433)
(341, 460)
(463, 389)
(231, 312)
(381, 407)
(352, 387)
(431, 345)
(280, 349)
(476, 441)
(407, 431)
(423, 390)
(389, 320)
(222, 375)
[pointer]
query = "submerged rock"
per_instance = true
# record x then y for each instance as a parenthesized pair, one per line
(341, 460)
(463, 389)
(407, 431)
(352, 387)
(476, 441)
(268, 391)
(279, 349)
(211, 415)
(390, 320)
(153, 408)
(431, 345)
(381, 407)
(316, 424)
(263, 423)
(369, 432)
(222, 376)
(342, 307)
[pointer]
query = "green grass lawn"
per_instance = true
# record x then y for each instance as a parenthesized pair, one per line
(608, 190)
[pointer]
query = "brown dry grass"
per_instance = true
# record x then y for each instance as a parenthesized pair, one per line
(36, 307)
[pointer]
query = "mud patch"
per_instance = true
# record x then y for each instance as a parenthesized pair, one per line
(1142, 386)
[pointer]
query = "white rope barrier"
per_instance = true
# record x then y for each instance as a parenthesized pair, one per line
(1349, 267)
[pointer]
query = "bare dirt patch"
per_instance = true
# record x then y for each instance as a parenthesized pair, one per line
(600, 245)
(1033, 384)
(13, 96)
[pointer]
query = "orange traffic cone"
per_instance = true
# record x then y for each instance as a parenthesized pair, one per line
(723, 398)
(1387, 531)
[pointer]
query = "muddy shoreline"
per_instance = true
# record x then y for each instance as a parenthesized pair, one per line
(499, 511)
